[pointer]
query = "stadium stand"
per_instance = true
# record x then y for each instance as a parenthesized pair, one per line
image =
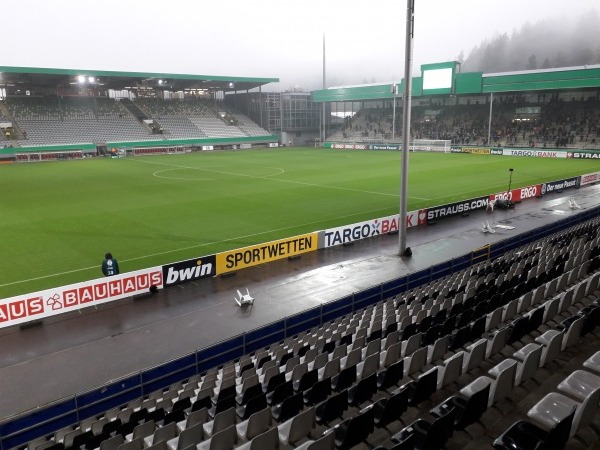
(72, 120)
(478, 348)
(525, 120)
(197, 118)
(52, 120)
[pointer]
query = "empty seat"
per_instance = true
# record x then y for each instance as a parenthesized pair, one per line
(387, 410)
(221, 421)
(267, 440)
(164, 433)
(552, 343)
(580, 384)
(422, 388)
(526, 435)
(429, 435)
(326, 442)
(363, 390)
(222, 440)
(451, 370)
(503, 376)
(258, 423)
(390, 376)
(416, 362)
(469, 405)
(554, 407)
(189, 436)
(354, 430)
(475, 355)
(593, 363)
(288, 408)
(298, 427)
(528, 358)
(332, 408)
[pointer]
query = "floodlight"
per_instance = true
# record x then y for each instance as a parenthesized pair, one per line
(91, 79)
(81, 79)
(160, 81)
(230, 85)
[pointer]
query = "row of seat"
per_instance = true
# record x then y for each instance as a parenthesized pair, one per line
(471, 402)
(372, 314)
(558, 415)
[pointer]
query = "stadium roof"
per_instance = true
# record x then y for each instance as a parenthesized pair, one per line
(37, 77)
(469, 83)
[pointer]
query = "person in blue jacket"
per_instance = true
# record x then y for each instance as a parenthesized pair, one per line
(110, 266)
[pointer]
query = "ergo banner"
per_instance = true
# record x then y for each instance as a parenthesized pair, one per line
(589, 178)
(51, 302)
(517, 195)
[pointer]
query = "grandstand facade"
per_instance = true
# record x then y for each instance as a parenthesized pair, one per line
(554, 108)
(50, 109)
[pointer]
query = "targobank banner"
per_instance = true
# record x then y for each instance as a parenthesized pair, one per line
(534, 153)
(369, 228)
(51, 302)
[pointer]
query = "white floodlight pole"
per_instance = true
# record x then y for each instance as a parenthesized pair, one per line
(324, 87)
(394, 89)
(490, 120)
(410, 22)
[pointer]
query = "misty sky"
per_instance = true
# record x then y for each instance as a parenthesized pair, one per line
(264, 38)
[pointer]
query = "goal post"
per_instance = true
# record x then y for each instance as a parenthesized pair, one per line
(430, 145)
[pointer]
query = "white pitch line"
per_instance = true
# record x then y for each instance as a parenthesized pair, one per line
(188, 248)
(302, 183)
(419, 198)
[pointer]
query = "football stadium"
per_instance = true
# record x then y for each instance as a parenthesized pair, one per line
(262, 299)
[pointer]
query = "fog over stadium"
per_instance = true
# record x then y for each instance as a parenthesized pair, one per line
(278, 38)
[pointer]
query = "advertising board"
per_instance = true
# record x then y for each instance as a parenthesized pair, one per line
(369, 228)
(51, 302)
(589, 178)
(454, 209)
(350, 146)
(476, 150)
(192, 269)
(519, 194)
(559, 185)
(263, 253)
(534, 153)
(383, 147)
(584, 155)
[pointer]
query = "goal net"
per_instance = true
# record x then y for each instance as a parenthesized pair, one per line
(430, 145)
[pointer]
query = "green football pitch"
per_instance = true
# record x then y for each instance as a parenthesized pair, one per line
(59, 218)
